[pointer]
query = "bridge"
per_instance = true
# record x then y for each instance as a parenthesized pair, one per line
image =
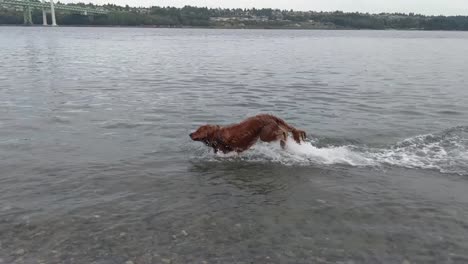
(28, 5)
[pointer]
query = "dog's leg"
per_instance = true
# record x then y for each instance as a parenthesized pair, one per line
(273, 133)
(284, 139)
(298, 135)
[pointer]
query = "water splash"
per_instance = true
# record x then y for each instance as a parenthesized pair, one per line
(446, 152)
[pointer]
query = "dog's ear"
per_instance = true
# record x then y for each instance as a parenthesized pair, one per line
(212, 130)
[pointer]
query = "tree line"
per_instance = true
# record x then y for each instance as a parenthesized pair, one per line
(190, 16)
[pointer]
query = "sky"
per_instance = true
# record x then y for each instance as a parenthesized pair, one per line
(427, 7)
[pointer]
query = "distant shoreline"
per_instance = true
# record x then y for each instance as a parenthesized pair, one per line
(219, 18)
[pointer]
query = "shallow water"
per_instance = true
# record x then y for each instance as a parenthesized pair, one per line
(97, 166)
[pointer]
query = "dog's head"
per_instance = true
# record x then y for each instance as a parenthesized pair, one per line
(205, 133)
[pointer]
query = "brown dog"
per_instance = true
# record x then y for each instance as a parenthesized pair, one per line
(240, 137)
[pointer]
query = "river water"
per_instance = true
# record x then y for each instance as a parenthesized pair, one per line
(96, 165)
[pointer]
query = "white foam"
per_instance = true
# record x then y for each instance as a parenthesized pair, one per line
(327, 155)
(302, 154)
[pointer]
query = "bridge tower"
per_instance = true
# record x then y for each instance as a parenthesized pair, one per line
(52, 12)
(44, 15)
(27, 15)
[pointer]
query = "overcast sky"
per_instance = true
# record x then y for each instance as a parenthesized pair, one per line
(429, 7)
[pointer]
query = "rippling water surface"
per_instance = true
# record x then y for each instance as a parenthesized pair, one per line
(96, 165)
